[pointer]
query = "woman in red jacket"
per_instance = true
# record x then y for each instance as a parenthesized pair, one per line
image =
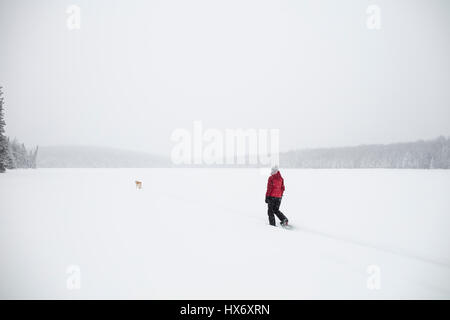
(275, 189)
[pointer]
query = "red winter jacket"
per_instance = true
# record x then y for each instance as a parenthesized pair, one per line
(275, 186)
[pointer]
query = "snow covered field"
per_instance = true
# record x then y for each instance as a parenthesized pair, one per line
(203, 233)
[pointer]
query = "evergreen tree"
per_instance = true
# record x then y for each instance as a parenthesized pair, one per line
(34, 158)
(4, 149)
(12, 161)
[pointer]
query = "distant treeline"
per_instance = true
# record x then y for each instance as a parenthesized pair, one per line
(432, 154)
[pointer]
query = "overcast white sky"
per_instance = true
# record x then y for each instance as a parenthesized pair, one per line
(137, 70)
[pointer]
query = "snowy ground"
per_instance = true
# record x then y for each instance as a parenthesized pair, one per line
(203, 233)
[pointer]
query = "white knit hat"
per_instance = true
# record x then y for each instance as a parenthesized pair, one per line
(274, 169)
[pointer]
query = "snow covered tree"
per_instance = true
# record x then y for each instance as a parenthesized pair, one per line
(431, 154)
(13, 154)
(20, 157)
(12, 161)
(33, 157)
(4, 149)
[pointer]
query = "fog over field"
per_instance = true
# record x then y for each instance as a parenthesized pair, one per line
(132, 72)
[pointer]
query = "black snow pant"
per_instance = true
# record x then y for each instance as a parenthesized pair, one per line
(274, 209)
